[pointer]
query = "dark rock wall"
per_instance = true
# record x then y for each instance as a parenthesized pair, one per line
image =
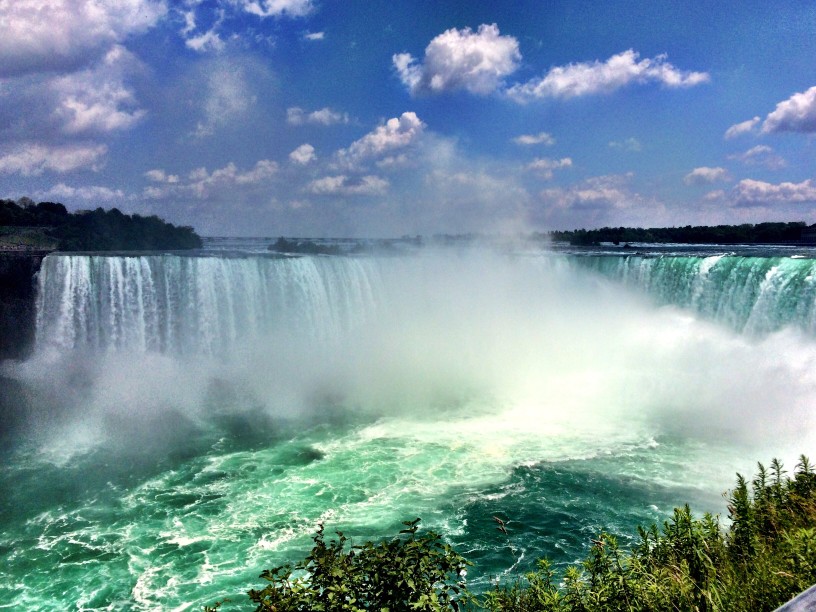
(18, 302)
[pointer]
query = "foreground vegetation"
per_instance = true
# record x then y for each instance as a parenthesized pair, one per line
(25, 225)
(764, 557)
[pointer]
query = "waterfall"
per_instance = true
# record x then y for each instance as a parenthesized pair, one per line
(197, 305)
(180, 305)
(184, 418)
(749, 294)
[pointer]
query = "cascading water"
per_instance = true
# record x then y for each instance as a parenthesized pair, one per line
(192, 419)
(752, 294)
(188, 305)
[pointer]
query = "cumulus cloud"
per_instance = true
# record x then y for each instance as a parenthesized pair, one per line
(705, 176)
(460, 59)
(542, 138)
(325, 116)
(312, 36)
(276, 8)
(598, 201)
(59, 35)
(632, 145)
(394, 161)
(749, 192)
(204, 41)
(31, 159)
(588, 78)
(545, 166)
(744, 127)
(209, 40)
(760, 155)
(202, 184)
(796, 114)
(160, 176)
(97, 100)
(341, 185)
(396, 133)
(304, 154)
(610, 191)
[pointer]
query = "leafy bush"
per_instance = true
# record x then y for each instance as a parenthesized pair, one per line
(407, 573)
(765, 557)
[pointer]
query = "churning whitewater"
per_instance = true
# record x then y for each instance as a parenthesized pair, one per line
(190, 420)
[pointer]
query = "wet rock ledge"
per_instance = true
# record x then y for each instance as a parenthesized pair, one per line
(18, 294)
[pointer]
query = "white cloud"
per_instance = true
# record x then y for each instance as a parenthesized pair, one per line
(263, 170)
(47, 35)
(396, 133)
(276, 8)
(749, 192)
(760, 155)
(341, 185)
(325, 116)
(597, 201)
(631, 145)
(203, 42)
(189, 22)
(202, 184)
(393, 161)
(545, 166)
(160, 176)
(796, 114)
(96, 100)
(304, 154)
(314, 36)
(228, 99)
(34, 158)
(705, 176)
(609, 191)
(718, 195)
(744, 127)
(461, 59)
(209, 40)
(588, 78)
(466, 196)
(92, 193)
(542, 138)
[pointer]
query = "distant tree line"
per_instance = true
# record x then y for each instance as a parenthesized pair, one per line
(99, 229)
(747, 233)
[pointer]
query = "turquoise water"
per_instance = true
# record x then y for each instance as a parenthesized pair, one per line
(190, 421)
(748, 293)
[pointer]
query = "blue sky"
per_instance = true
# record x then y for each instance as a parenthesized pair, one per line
(386, 118)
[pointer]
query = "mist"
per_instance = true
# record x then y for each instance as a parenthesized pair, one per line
(531, 346)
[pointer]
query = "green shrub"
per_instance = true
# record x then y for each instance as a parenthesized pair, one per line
(410, 572)
(763, 558)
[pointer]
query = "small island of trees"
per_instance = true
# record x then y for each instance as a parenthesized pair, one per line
(25, 225)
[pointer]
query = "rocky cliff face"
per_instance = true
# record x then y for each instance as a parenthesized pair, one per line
(17, 302)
